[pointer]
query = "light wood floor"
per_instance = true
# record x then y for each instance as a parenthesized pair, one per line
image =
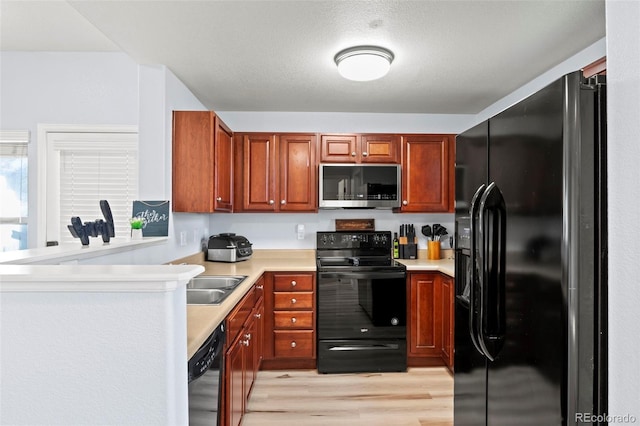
(422, 396)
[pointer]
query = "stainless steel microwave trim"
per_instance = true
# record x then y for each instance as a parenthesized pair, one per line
(378, 204)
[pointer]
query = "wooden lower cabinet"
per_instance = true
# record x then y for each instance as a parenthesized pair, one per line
(430, 317)
(290, 307)
(243, 354)
(448, 301)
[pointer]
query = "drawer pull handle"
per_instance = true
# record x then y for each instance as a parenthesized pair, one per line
(293, 301)
(293, 320)
(293, 344)
(293, 283)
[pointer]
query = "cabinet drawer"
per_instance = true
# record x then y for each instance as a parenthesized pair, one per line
(293, 319)
(293, 282)
(292, 300)
(294, 344)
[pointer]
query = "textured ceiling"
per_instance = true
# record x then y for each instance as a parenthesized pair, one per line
(451, 57)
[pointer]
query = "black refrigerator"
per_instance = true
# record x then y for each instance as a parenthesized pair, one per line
(530, 274)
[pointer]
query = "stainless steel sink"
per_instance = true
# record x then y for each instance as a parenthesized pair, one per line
(212, 296)
(212, 289)
(216, 281)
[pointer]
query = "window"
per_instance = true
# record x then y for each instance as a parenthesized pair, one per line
(84, 168)
(13, 190)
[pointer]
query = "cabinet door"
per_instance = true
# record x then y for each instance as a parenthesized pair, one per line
(193, 161)
(427, 170)
(258, 346)
(259, 172)
(223, 159)
(338, 149)
(425, 328)
(447, 320)
(376, 148)
(298, 171)
(250, 342)
(234, 366)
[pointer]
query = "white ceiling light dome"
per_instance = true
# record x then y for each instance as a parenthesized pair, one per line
(363, 63)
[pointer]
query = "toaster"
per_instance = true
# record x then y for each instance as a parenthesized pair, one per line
(228, 247)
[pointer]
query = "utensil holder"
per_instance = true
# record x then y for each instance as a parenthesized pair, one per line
(433, 250)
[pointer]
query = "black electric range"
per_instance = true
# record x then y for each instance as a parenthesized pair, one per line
(361, 303)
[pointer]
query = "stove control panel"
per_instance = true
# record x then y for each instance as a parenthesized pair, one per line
(349, 240)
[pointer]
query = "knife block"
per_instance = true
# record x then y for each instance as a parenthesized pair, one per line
(408, 250)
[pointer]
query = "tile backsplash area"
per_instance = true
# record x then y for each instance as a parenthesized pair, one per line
(298, 230)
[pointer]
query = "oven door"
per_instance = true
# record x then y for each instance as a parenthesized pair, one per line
(361, 321)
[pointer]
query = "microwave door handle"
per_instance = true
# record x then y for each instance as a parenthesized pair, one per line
(473, 278)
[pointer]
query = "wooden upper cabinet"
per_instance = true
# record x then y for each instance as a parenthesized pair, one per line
(338, 148)
(298, 175)
(377, 148)
(259, 172)
(278, 172)
(202, 152)
(427, 173)
(359, 148)
(223, 172)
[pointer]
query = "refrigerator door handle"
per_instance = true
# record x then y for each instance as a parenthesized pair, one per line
(474, 308)
(492, 235)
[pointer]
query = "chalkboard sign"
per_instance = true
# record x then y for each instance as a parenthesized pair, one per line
(155, 215)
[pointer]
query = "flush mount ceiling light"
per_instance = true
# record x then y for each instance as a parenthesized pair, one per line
(363, 63)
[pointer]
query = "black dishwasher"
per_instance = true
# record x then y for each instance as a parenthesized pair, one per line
(205, 380)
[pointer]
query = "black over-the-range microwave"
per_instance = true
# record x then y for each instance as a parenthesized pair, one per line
(359, 186)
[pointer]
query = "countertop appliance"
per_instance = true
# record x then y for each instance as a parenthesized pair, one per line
(361, 303)
(359, 186)
(530, 307)
(205, 369)
(228, 247)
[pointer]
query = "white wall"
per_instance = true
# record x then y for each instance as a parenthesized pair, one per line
(64, 88)
(102, 88)
(161, 93)
(623, 93)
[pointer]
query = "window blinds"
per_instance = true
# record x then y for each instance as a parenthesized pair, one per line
(88, 175)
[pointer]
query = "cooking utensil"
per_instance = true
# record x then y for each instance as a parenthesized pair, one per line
(427, 232)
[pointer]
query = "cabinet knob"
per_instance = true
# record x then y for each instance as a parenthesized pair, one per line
(219, 199)
(247, 336)
(258, 316)
(271, 202)
(293, 320)
(364, 154)
(293, 283)
(293, 301)
(283, 202)
(245, 342)
(405, 202)
(259, 287)
(293, 344)
(353, 154)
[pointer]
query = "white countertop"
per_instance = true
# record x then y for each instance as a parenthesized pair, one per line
(76, 250)
(95, 278)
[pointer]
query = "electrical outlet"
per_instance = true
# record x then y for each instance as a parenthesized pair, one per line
(183, 238)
